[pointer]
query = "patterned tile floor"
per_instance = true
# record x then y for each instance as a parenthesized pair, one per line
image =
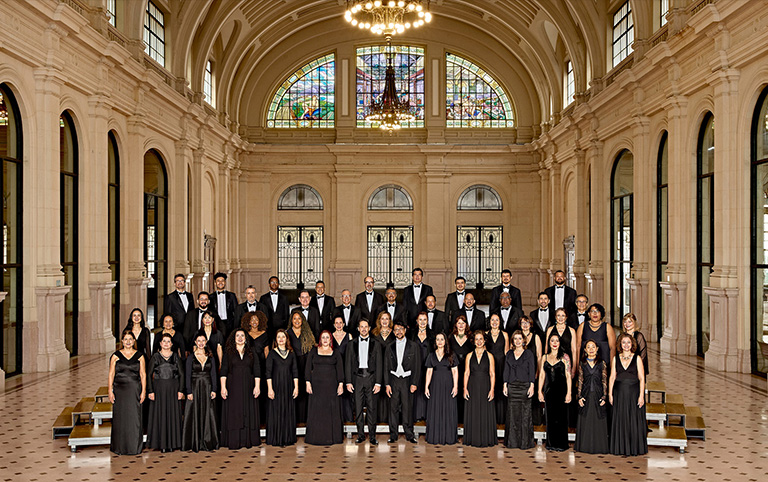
(735, 408)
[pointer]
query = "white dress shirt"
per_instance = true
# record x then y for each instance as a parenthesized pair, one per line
(363, 352)
(320, 303)
(400, 352)
(460, 298)
(221, 303)
(184, 300)
(559, 296)
(273, 296)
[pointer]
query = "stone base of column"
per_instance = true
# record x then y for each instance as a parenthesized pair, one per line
(723, 353)
(95, 335)
(44, 347)
(638, 301)
(675, 339)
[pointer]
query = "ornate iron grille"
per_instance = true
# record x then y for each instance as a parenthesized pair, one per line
(479, 254)
(390, 255)
(299, 255)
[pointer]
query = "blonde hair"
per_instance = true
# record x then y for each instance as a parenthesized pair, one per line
(633, 318)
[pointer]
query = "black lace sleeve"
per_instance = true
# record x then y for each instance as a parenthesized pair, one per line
(642, 349)
(581, 380)
(605, 380)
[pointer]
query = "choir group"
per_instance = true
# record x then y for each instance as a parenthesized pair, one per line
(217, 371)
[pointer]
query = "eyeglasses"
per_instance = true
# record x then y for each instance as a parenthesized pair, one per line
(594, 311)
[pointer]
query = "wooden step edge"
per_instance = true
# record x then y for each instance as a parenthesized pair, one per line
(64, 420)
(695, 423)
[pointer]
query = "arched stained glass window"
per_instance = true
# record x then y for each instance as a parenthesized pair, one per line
(390, 197)
(300, 196)
(409, 72)
(306, 98)
(479, 197)
(473, 98)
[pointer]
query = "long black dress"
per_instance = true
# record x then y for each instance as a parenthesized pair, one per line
(536, 411)
(565, 342)
(301, 363)
(257, 345)
(346, 398)
(442, 417)
(419, 398)
(240, 411)
(479, 413)
(555, 408)
(281, 412)
(460, 352)
(127, 437)
(382, 411)
(600, 336)
(642, 350)
(629, 434)
(496, 348)
(324, 372)
(166, 380)
(592, 429)
(519, 373)
(200, 429)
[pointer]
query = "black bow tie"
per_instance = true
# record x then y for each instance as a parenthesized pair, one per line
(460, 293)
(364, 339)
(347, 307)
(320, 297)
(417, 286)
(505, 309)
(469, 310)
(305, 309)
(369, 293)
(251, 304)
(273, 293)
(542, 309)
(430, 311)
(201, 310)
(391, 305)
(559, 287)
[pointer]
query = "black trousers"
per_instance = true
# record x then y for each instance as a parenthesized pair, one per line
(401, 403)
(364, 398)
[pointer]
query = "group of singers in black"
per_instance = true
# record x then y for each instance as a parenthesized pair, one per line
(218, 369)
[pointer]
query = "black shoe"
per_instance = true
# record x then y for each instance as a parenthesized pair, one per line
(374, 441)
(392, 440)
(413, 440)
(360, 439)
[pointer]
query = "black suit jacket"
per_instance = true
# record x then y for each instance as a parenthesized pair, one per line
(326, 316)
(573, 319)
(231, 300)
(375, 362)
(512, 321)
(412, 305)
(452, 304)
(362, 304)
(517, 300)
(313, 319)
(278, 318)
(479, 321)
(173, 306)
(537, 328)
(242, 309)
(354, 318)
(569, 301)
(401, 313)
(439, 322)
(193, 322)
(411, 361)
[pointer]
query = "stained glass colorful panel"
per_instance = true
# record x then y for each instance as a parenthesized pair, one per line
(306, 98)
(473, 98)
(409, 74)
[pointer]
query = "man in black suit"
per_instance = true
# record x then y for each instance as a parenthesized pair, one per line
(560, 295)
(325, 304)
(438, 322)
(475, 316)
(505, 286)
(311, 314)
(224, 302)
(250, 305)
(368, 301)
(414, 295)
(542, 317)
(178, 302)
(455, 300)
(348, 312)
(397, 311)
(276, 305)
(580, 316)
(194, 319)
(508, 314)
(402, 361)
(363, 373)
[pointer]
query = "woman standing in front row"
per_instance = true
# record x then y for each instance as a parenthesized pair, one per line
(325, 385)
(629, 434)
(441, 388)
(479, 409)
(555, 392)
(519, 381)
(283, 385)
(127, 388)
(240, 390)
(165, 387)
(592, 427)
(200, 429)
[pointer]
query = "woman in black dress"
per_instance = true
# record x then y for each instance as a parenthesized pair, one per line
(461, 346)
(555, 392)
(215, 337)
(200, 429)
(519, 379)
(126, 390)
(498, 346)
(177, 339)
(325, 385)
(137, 325)
(533, 344)
(240, 373)
(424, 339)
(283, 388)
(382, 334)
(568, 343)
(302, 340)
(340, 341)
(632, 327)
(165, 388)
(597, 329)
(479, 409)
(592, 429)
(627, 395)
(441, 387)
(255, 324)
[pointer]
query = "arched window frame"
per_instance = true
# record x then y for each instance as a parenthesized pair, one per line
(455, 62)
(480, 191)
(300, 193)
(326, 86)
(113, 188)
(390, 192)
(705, 231)
(621, 257)
(759, 238)
(68, 226)
(157, 201)
(662, 225)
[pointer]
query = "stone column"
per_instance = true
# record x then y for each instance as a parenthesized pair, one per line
(132, 217)
(98, 331)
(137, 292)
(48, 332)
(436, 231)
(581, 241)
(675, 339)
(347, 268)
(638, 300)
(194, 236)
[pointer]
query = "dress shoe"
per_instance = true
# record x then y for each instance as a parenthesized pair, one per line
(413, 440)
(374, 441)
(360, 439)
(392, 440)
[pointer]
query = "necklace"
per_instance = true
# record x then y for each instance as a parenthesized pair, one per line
(625, 357)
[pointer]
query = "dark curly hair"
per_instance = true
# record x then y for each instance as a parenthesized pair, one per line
(231, 346)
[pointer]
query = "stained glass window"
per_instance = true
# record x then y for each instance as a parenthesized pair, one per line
(409, 74)
(307, 97)
(473, 98)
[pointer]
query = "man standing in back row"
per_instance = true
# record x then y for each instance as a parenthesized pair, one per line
(369, 301)
(505, 287)
(414, 295)
(560, 295)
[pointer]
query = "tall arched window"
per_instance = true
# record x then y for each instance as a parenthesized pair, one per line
(759, 314)
(68, 151)
(473, 98)
(705, 227)
(11, 281)
(307, 98)
(390, 197)
(622, 180)
(662, 223)
(113, 188)
(155, 231)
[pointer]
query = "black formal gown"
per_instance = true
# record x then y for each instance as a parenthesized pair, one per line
(442, 416)
(257, 345)
(200, 429)
(214, 341)
(419, 398)
(556, 410)
(536, 409)
(301, 363)
(592, 428)
(166, 381)
(600, 336)
(565, 342)
(629, 434)
(346, 399)
(496, 348)
(240, 411)
(479, 413)
(519, 373)
(382, 411)
(324, 424)
(127, 437)
(177, 344)
(460, 353)
(143, 345)
(281, 413)
(642, 350)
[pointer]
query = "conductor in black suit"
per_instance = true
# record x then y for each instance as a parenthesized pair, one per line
(250, 305)
(311, 314)
(397, 311)
(368, 301)
(224, 303)
(348, 312)
(363, 371)
(403, 364)
(277, 307)
(474, 315)
(508, 314)
(455, 299)
(542, 317)
(438, 321)
(414, 295)
(560, 295)
(325, 304)
(505, 286)
(178, 302)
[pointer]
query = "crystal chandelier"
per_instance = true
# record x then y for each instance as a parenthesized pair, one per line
(388, 17)
(389, 111)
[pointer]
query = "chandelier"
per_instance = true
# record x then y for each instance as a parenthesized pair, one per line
(387, 17)
(389, 111)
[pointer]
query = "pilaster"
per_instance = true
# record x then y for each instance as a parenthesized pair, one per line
(47, 352)
(675, 339)
(96, 334)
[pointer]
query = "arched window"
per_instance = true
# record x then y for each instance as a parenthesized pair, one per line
(155, 232)
(113, 188)
(11, 282)
(69, 157)
(390, 197)
(300, 197)
(662, 224)
(474, 98)
(409, 74)
(479, 198)
(705, 227)
(622, 180)
(306, 98)
(759, 322)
